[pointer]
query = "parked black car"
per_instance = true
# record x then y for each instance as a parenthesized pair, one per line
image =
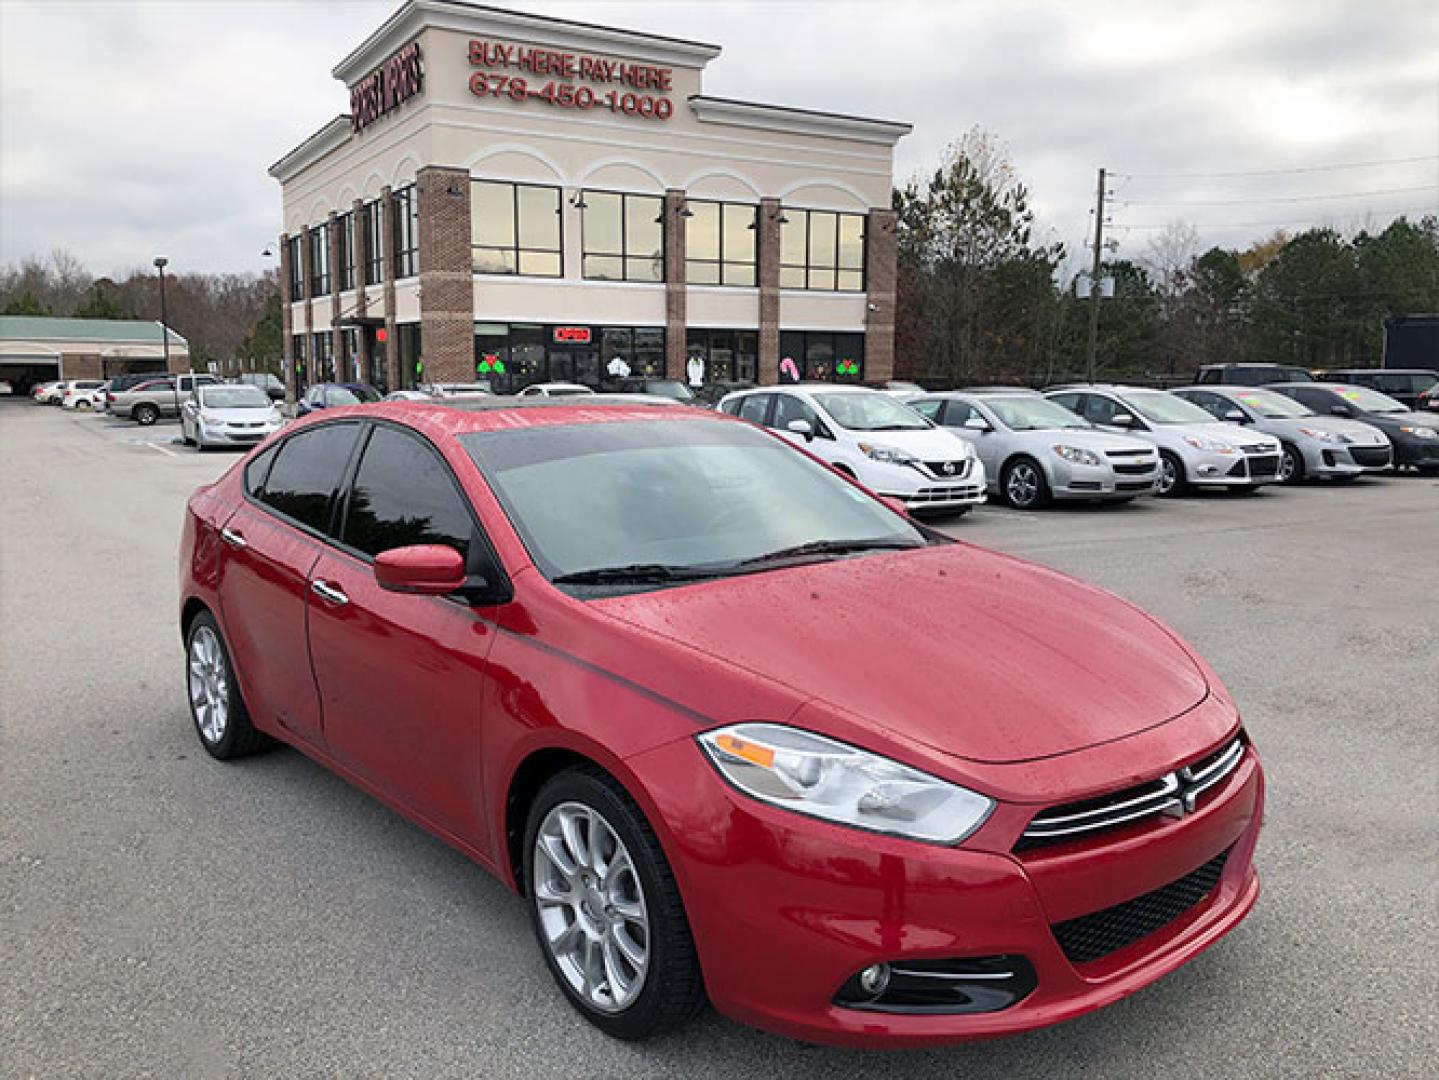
(331, 395)
(1415, 436)
(1402, 384)
(670, 388)
(1251, 374)
(710, 393)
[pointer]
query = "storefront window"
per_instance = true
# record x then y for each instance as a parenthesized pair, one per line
(527, 355)
(623, 237)
(297, 270)
(412, 363)
(720, 244)
(515, 228)
(492, 354)
(406, 231)
(320, 260)
(727, 355)
(298, 354)
(649, 352)
(511, 356)
(821, 250)
(374, 254)
(323, 354)
(821, 356)
(345, 223)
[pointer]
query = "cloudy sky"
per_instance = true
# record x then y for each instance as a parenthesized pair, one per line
(133, 129)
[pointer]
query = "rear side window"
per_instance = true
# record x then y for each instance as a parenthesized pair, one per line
(257, 469)
(754, 407)
(404, 494)
(307, 472)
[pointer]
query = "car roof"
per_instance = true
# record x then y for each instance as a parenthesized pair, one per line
(461, 417)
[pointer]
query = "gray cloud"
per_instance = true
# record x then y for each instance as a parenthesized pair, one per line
(131, 129)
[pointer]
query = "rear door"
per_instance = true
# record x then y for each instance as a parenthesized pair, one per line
(271, 543)
(402, 677)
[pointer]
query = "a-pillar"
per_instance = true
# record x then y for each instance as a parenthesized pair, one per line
(447, 294)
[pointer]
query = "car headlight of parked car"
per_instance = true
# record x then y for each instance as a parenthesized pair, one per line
(1323, 436)
(1420, 432)
(823, 778)
(1213, 446)
(887, 454)
(1077, 456)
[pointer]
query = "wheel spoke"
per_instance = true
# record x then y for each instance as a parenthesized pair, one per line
(614, 972)
(575, 844)
(553, 849)
(629, 948)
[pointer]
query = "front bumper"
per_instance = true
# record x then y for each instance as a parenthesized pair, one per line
(1070, 481)
(212, 436)
(785, 909)
(1415, 453)
(920, 490)
(1208, 469)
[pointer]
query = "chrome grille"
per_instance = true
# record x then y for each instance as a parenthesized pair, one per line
(949, 470)
(1175, 793)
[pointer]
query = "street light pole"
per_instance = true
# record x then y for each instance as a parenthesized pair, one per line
(160, 264)
(1094, 278)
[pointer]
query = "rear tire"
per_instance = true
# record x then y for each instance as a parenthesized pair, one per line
(632, 899)
(221, 720)
(145, 415)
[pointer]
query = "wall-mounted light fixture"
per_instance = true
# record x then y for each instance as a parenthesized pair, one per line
(577, 200)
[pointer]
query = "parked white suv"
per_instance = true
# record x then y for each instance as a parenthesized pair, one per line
(878, 440)
(1195, 450)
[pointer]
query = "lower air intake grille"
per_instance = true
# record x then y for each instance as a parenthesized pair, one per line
(1091, 937)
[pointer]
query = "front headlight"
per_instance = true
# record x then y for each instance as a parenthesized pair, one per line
(1420, 432)
(1323, 436)
(1077, 456)
(887, 454)
(1213, 446)
(820, 777)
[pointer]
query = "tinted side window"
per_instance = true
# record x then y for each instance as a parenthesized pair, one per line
(787, 407)
(1100, 410)
(404, 494)
(754, 407)
(1073, 402)
(257, 469)
(1213, 404)
(956, 413)
(307, 471)
(1209, 375)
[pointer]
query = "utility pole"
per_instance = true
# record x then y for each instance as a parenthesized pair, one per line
(160, 264)
(1095, 272)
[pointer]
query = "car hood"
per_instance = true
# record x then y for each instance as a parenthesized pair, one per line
(1099, 441)
(1359, 432)
(237, 416)
(929, 444)
(971, 653)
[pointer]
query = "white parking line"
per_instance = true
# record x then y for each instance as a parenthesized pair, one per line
(157, 446)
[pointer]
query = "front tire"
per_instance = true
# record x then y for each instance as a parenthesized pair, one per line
(606, 910)
(1024, 485)
(216, 707)
(1172, 480)
(1291, 465)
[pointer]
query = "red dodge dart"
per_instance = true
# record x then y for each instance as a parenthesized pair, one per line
(736, 729)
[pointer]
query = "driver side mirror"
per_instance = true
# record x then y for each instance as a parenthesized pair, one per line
(1339, 410)
(1121, 419)
(801, 427)
(1236, 416)
(977, 423)
(421, 569)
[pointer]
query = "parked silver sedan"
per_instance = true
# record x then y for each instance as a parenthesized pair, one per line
(1312, 445)
(1035, 450)
(229, 414)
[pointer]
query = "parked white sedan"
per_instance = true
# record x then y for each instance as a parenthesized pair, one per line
(83, 394)
(228, 414)
(873, 437)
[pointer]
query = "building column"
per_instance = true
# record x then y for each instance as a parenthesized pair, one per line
(767, 254)
(675, 291)
(332, 242)
(387, 278)
(306, 269)
(287, 320)
(447, 291)
(881, 271)
(361, 255)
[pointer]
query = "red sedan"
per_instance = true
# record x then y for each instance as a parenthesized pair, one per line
(735, 728)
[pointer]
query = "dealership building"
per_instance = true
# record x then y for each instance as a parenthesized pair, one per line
(35, 349)
(523, 199)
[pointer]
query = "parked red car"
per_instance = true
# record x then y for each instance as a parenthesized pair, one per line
(734, 727)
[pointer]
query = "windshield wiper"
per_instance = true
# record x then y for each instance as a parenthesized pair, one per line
(636, 574)
(828, 547)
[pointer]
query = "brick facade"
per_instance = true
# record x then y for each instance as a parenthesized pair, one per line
(337, 348)
(881, 270)
(387, 277)
(447, 294)
(361, 255)
(767, 254)
(674, 242)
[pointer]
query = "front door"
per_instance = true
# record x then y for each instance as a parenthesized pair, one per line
(402, 677)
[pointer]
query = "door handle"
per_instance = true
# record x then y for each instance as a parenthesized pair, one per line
(325, 591)
(231, 537)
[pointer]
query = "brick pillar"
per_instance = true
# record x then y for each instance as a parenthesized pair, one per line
(387, 278)
(308, 328)
(447, 294)
(88, 365)
(360, 253)
(287, 320)
(675, 311)
(332, 241)
(768, 257)
(881, 270)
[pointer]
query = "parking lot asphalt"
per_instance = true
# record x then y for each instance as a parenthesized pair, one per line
(162, 914)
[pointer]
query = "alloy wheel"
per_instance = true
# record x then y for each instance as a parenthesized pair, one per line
(209, 685)
(1167, 476)
(1287, 466)
(591, 907)
(1022, 487)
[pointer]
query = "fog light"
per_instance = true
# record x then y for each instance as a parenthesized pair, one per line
(874, 980)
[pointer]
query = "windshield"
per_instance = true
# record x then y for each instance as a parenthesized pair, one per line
(670, 388)
(1271, 406)
(1371, 400)
(1033, 414)
(233, 397)
(1158, 407)
(682, 494)
(870, 411)
(351, 395)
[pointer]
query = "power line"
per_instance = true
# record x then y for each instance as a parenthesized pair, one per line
(1291, 221)
(1281, 172)
(1278, 198)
